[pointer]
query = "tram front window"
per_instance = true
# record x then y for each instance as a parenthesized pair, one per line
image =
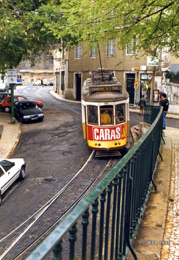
(106, 115)
(120, 118)
(92, 115)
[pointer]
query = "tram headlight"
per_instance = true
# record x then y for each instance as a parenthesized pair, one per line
(95, 144)
(119, 143)
(99, 144)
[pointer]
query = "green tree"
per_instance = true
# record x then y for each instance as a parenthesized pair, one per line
(30, 27)
(152, 23)
(23, 34)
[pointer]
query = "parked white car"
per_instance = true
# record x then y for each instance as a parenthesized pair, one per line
(4, 87)
(10, 171)
(37, 83)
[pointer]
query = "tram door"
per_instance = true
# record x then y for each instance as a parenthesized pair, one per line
(130, 87)
(78, 86)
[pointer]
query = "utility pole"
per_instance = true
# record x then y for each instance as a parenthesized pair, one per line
(12, 80)
(12, 103)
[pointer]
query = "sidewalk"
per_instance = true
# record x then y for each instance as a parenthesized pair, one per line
(153, 240)
(157, 236)
(9, 135)
(171, 232)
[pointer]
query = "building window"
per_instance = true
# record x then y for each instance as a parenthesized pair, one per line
(111, 48)
(131, 47)
(78, 52)
(93, 52)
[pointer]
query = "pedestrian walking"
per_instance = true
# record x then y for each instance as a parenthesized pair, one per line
(165, 105)
(42, 82)
(142, 104)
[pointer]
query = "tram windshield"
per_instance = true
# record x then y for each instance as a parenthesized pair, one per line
(92, 114)
(120, 115)
(106, 115)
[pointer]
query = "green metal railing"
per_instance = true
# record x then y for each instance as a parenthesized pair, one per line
(103, 224)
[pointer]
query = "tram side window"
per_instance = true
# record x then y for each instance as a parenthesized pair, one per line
(106, 115)
(92, 114)
(120, 115)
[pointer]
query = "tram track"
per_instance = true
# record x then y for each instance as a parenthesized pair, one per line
(52, 213)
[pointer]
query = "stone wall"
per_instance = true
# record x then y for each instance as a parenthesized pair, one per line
(172, 91)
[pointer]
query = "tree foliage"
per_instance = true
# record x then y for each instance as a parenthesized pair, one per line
(30, 27)
(23, 34)
(152, 23)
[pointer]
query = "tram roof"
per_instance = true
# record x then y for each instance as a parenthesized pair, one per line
(103, 86)
(105, 97)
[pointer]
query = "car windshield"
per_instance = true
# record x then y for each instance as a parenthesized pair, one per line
(27, 105)
(21, 98)
(3, 96)
(6, 165)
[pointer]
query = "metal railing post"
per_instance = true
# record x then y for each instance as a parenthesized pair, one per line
(85, 222)
(57, 251)
(72, 239)
(115, 183)
(93, 235)
(128, 215)
(109, 191)
(101, 230)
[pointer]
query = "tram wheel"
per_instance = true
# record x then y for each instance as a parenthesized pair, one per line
(123, 151)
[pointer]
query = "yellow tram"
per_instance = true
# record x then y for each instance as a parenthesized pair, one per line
(105, 112)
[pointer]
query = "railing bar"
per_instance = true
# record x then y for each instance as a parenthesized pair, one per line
(121, 242)
(57, 251)
(101, 232)
(118, 214)
(72, 239)
(109, 191)
(128, 216)
(140, 182)
(113, 216)
(93, 236)
(85, 223)
(134, 191)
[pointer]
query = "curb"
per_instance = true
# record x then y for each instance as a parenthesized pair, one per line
(16, 142)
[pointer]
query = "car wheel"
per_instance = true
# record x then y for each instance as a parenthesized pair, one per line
(22, 173)
(7, 109)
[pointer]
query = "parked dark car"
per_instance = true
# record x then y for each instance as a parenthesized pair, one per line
(51, 83)
(27, 111)
(3, 95)
(5, 104)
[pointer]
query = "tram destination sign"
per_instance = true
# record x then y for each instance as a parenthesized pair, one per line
(107, 88)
